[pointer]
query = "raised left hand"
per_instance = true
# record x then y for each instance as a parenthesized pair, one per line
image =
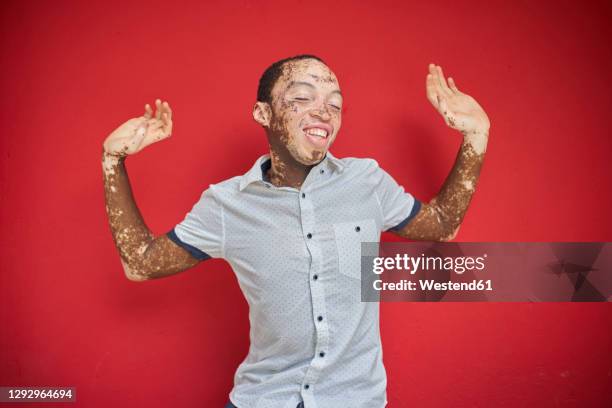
(137, 133)
(459, 110)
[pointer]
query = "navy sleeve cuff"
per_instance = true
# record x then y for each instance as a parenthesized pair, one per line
(415, 210)
(195, 252)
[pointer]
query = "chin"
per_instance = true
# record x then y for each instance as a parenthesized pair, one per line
(305, 157)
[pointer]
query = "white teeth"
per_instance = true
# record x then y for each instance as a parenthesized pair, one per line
(317, 132)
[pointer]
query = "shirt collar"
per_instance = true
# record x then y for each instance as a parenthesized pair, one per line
(263, 163)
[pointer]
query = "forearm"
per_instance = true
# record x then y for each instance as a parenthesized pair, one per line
(454, 197)
(128, 228)
(439, 220)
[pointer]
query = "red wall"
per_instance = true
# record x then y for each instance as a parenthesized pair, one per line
(73, 71)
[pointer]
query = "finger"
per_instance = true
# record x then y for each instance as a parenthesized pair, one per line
(435, 72)
(158, 108)
(168, 110)
(432, 68)
(453, 86)
(166, 115)
(443, 83)
(167, 129)
(148, 111)
(431, 91)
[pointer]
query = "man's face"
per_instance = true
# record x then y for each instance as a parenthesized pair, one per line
(306, 110)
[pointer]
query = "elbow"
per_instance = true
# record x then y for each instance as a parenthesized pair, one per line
(135, 274)
(136, 278)
(449, 234)
(447, 225)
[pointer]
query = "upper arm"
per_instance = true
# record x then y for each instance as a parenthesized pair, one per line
(406, 216)
(202, 232)
(197, 238)
(164, 258)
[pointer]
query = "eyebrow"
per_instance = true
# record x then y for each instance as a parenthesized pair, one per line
(308, 84)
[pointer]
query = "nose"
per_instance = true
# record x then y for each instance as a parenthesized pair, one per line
(321, 112)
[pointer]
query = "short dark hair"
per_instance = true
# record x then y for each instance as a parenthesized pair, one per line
(273, 72)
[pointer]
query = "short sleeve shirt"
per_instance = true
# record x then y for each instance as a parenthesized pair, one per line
(296, 256)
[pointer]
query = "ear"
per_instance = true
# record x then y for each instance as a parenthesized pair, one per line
(262, 113)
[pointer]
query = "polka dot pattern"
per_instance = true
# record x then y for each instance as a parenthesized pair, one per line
(296, 256)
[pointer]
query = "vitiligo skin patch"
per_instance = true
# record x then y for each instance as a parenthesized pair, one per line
(306, 97)
(142, 254)
(440, 219)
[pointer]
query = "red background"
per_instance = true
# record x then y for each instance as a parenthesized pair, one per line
(73, 71)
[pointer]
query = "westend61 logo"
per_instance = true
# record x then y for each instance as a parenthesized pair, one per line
(413, 264)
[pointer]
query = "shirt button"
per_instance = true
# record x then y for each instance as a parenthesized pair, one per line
(322, 354)
(357, 228)
(306, 386)
(320, 318)
(321, 171)
(309, 235)
(303, 195)
(315, 277)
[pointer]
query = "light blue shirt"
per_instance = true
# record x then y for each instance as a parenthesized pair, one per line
(296, 256)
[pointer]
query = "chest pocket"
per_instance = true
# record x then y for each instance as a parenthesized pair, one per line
(349, 236)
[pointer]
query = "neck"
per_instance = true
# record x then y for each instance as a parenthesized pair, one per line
(285, 170)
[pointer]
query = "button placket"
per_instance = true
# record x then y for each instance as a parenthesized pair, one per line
(317, 297)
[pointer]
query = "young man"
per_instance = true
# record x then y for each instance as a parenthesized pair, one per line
(291, 229)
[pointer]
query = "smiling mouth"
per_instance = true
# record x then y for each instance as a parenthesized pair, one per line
(317, 137)
(317, 132)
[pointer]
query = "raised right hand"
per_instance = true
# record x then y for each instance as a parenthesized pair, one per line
(137, 133)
